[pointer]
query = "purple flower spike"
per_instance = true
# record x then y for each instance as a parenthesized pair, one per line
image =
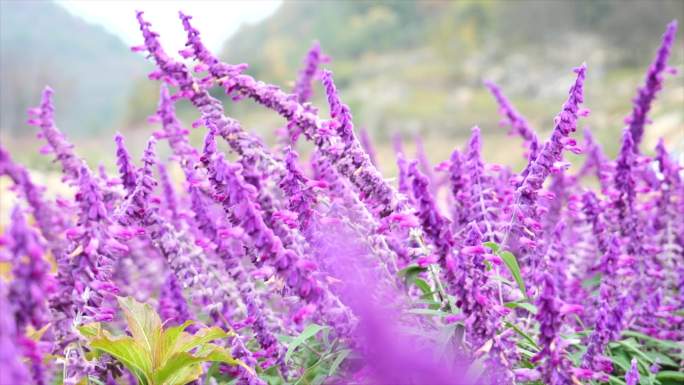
(302, 198)
(367, 144)
(517, 122)
(652, 84)
(170, 199)
(12, 370)
(32, 281)
(338, 110)
(173, 307)
(539, 170)
(436, 226)
(63, 150)
(314, 58)
(126, 168)
(50, 223)
(632, 375)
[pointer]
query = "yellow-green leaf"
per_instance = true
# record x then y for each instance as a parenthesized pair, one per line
(91, 330)
(175, 370)
(215, 353)
(168, 342)
(128, 352)
(512, 264)
(188, 341)
(34, 334)
(144, 324)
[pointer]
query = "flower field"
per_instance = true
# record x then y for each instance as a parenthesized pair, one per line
(262, 266)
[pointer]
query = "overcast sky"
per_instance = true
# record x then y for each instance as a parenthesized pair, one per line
(216, 20)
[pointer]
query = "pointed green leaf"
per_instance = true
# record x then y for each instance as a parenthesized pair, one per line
(216, 353)
(424, 287)
(129, 353)
(307, 333)
(338, 361)
(144, 324)
(90, 330)
(178, 368)
(522, 333)
(670, 376)
(187, 342)
(512, 264)
(169, 340)
(410, 273)
(493, 246)
(523, 305)
(432, 312)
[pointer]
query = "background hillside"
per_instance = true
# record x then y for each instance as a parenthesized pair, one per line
(418, 67)
(413, 68)
(92, 71)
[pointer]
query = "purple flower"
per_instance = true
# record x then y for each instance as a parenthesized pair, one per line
(63, 150)
(517, 122)
(301, 196)
(11, 368)
(32, 282)
(50, 223)
(170, 200)
(314, 58)
(173, 308)
(632, 375)
(652, 84)
(126, 168)
(436, 226)
(367, 145)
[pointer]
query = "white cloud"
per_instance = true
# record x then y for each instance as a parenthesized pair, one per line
(216, 20)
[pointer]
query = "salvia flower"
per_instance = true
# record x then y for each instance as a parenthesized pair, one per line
(517, 122)
(126, 168)
(632, 375)
(314, 58)
(12, 370)
(32, 282)
(652, 84)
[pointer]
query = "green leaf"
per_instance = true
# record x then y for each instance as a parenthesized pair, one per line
(36, 335)
(670, 376)
(493, 246)
(433, 312)
(95, 381)
(144, 324)
(410, 273)
(180, 368)
(523, 305)
(187, 341)
(594, 281)
(216, 353)
(621, 360)
(512, 264)
(666, 344)
(634, 347)
(91, 330)
(307, 333)
(338, 361)
(615, 380)
(168, 342)
(424, 287)
(663, 358)
(522, 333)
(128, 352)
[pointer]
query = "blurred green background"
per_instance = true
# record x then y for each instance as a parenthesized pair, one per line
(410, 67)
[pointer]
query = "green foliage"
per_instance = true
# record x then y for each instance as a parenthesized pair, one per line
(309, 332)
(511, 263)
(154, 354)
